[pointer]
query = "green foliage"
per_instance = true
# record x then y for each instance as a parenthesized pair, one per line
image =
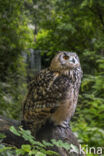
(34, 147)
(15, 37)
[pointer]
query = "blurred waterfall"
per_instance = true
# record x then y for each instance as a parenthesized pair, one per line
(33, 61)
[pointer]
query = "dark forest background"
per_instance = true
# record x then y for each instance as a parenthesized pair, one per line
(31, 32)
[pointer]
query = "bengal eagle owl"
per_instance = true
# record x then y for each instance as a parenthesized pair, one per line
(53, 93)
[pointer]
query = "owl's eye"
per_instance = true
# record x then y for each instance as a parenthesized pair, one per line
(66, 57)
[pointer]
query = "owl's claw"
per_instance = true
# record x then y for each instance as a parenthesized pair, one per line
(65, 124)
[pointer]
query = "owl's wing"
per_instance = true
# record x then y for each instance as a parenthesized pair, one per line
(45, 95)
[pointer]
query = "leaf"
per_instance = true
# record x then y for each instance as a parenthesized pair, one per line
(60, 143)
(38, 143)
(84, 3)
(74, 149)
(5, 149)
(19, 151)
(32, 152)
(26, 148)
(26, 134)
(40, 154)
(66, 146)
(2, 136)
(14, 131)
(49, 152)
(47, 143)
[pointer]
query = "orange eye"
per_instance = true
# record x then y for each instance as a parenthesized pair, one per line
(66, 57)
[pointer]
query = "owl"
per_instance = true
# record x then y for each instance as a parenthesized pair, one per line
(53, 93)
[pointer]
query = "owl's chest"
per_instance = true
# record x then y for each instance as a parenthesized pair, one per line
(65, 86)
(66, 106)
(71, 93)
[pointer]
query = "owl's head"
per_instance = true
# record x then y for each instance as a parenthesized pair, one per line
(65, 61)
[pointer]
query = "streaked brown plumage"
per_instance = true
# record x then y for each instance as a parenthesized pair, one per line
(54, 92)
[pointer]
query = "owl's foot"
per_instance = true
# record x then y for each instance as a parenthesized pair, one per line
(65, 124)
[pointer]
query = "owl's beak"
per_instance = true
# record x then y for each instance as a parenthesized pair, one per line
(73, 60)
